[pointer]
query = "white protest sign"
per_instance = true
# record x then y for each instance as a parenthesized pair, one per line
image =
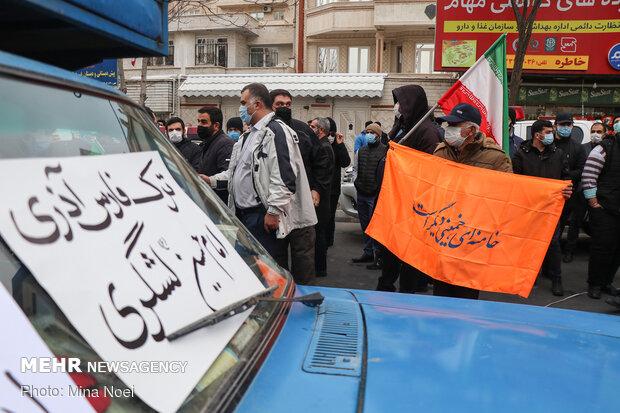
(129, 258)
(27, 391)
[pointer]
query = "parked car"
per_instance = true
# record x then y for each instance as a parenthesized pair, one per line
(348, 194)
(358, 351)
(581, 130)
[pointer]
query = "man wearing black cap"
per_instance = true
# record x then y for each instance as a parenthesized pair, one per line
(576, 157)
(464, 143)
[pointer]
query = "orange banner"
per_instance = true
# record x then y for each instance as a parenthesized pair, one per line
(464, 225)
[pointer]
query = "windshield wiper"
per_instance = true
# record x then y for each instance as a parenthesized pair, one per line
(240, 306)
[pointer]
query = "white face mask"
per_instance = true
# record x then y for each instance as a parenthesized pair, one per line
(397, 110)
(453, 136)
(596, 137)
(331, 139)
(175, 136)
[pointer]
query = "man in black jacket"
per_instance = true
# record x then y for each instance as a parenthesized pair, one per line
(541, 157)
(341, 160)
(216, 146)
(175, 129)
(410, 105)
(576, 157)
(367, 185)
(317, 164)
(322, 127)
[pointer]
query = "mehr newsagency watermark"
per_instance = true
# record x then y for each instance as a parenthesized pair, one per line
(75, 365)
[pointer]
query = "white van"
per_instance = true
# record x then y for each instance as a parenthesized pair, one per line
(581, 129)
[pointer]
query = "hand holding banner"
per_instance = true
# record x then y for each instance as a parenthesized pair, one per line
(464, 225)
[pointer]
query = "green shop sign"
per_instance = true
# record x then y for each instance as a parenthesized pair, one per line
(569, 96)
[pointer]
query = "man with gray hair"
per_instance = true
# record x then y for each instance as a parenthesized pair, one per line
(266, 180)
(322, 127)
(464, 143)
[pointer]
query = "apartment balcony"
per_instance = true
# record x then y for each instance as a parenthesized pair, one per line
(404, 14)
(232, 22)
(337, 18)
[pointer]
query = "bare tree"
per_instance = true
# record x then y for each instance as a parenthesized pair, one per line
(525, 15)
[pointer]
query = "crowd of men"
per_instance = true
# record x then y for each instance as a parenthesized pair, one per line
(281, 177)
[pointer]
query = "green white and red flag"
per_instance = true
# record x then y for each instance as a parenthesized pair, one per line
(485, 86)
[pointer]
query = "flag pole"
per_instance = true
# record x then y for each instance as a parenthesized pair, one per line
(426, 115)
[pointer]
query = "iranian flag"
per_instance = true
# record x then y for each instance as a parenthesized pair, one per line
(485, 86)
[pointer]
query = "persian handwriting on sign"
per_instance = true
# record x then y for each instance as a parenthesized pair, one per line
(570, 62)
(128, 262)
(111, 203)
(500, 6)
(541, 26)
(452, 232)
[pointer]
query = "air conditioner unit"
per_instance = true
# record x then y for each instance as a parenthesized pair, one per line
(267, 9)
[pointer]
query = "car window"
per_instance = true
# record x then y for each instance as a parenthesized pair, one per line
(42, 121)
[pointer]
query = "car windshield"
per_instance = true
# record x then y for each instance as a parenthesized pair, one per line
(38, 120)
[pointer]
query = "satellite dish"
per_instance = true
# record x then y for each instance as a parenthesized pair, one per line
(431, 11)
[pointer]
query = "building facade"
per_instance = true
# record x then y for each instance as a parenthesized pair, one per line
(321, 38)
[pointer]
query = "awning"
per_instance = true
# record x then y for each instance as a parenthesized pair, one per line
(365, 85)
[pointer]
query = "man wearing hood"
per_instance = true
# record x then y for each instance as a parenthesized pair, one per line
(175, 130)
(317, 165)
(234, 128)
(410, 105)
(464, 143)
(216, 146)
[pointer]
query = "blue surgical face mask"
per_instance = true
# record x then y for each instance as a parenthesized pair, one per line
(245, 115)
(371, 137)
(548, 139)
(234, 135)
(617, 127)
(565, 131)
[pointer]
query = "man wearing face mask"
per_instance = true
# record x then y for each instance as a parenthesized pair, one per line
(541, 157)
(316, 164)
(341, 160)
(580, 205)
(234, 128)
(576, 158)
(216, 146)
(366, 183)
(601, 187)
(175, 130)
(323, 208)
(269, 190)
(464, 143)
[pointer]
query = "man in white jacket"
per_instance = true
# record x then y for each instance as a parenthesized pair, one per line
(266, 180)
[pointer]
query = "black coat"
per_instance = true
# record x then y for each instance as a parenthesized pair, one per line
(316, 159)
(550, 163)
(575, 155)
(215, 156)
(323, 211)
(341, 160)
(190, 151)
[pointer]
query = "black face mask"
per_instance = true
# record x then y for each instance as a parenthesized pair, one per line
(285, 114)
(204, 132)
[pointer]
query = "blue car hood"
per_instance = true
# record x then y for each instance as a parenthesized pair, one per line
(433, 354)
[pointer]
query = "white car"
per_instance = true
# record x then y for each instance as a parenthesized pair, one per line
(348, 194)
(581, 130)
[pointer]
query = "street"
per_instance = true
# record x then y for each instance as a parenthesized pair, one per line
(342, 273)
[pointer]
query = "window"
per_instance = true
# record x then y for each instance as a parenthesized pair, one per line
(259, 15)
(212, 52)
(424, 55)
(92, 126)
(278, 15)
(322, 2)
(263, 57)
(328, 59)
(163, 60)
(358, 59)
